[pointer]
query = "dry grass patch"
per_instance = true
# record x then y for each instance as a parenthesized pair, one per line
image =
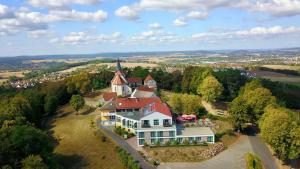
(177, 154)
(80, 145)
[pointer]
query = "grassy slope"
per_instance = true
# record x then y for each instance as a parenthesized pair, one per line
(78, 146)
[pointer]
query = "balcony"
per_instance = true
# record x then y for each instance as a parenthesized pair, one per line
(146, 126)
(167, 125)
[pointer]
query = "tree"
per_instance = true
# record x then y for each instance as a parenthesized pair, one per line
(191, 104)
(77, 102)
(33, 162)
(176, 103)
(232, 80)
(240, 113)
(258, 99)
(210, 89)
(281, 131)
(51, 104)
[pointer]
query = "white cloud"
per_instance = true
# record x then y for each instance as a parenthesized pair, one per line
(155, 26)
(256, 32)
(60, 3)
(276, 8)
(37, 33)
(73, 15)
(197, 15)
(180, 22)
(5, 12)
(75, 38)
(127, 12)
(24, 20)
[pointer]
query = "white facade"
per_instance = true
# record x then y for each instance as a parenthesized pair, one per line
(157, 119)
(121, 90)
(151, 83)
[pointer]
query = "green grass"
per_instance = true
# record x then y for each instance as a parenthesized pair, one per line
(80, 144)
(253, 161)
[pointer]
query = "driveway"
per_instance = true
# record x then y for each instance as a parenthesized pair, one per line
(260, 148)
(232, 158)
(122, 143)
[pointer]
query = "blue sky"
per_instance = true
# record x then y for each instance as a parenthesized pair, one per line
(34, 27)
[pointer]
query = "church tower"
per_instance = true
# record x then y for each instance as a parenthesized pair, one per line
(119, 83)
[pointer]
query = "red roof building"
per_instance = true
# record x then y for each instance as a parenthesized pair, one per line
(118, 80)
(149, 77)
(145, 88)
(134, 80)
(107, 96)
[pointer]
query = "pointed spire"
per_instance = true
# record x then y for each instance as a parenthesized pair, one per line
(118, 68)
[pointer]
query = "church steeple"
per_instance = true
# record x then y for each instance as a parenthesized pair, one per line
(118, 68)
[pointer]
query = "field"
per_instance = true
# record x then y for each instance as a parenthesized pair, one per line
(80, 145)
(273, 76)
(7, 74)
(93, 66)
(287, 67)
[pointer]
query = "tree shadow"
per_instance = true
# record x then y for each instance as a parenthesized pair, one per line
(88, 111)
(71, 161)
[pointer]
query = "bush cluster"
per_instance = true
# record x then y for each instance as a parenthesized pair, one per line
(121, 131)
(127, 159)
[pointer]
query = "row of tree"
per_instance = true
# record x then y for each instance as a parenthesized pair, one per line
(23, 143)
(280, 127)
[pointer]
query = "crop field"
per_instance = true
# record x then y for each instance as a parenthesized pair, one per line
(7, 74)
(273, 76)
(287, 67)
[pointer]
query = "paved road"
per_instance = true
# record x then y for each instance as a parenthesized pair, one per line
(232, 158)
(127, 147)
(260, 148)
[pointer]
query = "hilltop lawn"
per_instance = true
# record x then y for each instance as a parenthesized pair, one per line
(81, 146)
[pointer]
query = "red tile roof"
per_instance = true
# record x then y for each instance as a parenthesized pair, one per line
(109, 96)
(145, 88)
(117, 80)
(138, 103)
(149, 77)
(162, 108)
(132, 103)
(134, 80)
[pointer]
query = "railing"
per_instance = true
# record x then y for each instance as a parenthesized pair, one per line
(167, 125)
(146, 126)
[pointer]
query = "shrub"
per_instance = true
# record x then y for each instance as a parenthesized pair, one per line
(168, 143)
(186, 142)
(157, 143)
(103, 138)
(253, 161)
(127, 159)
(195, 142)
(175, 142)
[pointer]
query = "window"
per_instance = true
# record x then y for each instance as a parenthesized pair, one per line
(152, 141)
(180, 140)
(172, 139)
(191, 139)
(198, 139)
(153, 134)
(156, 122)
(141, 134)
(161, 140)
(171, 133)
(141, 141)
(210, 139)
(160, 134)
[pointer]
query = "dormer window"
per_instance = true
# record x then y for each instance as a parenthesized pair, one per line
(156, 122)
